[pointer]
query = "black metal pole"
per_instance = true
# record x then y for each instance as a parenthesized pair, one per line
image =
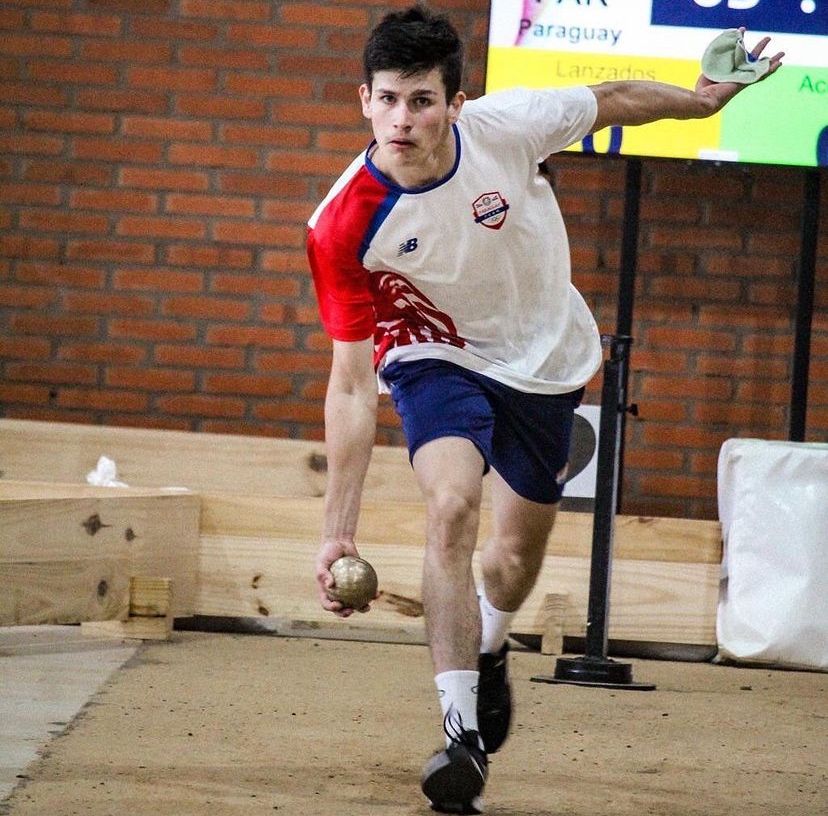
(595, 668)
(626, 293)
(804, 307)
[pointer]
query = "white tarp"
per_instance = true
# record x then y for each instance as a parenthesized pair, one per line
(773, 506)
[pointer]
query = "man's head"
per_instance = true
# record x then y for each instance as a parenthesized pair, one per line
(413, 42)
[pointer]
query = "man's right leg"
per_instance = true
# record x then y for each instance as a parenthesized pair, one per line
(450, 471)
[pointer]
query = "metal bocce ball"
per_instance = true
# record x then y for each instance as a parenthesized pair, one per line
(355, 582)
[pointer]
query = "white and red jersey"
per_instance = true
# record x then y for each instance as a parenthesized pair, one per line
(473, 268)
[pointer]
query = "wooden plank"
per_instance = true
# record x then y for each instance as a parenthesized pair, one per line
(66, 452)
(247, 576)
(139, 628)
(636, 538)
(150, 597)
(67, 553)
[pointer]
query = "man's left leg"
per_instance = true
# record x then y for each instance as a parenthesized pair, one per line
(511, 562)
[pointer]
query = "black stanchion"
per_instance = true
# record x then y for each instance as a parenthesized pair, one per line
(595, 668)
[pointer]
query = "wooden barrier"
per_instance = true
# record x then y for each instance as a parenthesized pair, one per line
(68, 552)
(261, 512)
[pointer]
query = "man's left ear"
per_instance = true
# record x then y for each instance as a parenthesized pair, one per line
(455, 106)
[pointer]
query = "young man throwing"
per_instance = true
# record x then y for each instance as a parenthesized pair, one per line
(441, 267)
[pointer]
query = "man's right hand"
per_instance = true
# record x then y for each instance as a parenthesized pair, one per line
(329, 551)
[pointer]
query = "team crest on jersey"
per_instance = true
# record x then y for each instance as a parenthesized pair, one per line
(490, 210)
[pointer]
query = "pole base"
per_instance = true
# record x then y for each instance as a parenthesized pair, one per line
(594, 672)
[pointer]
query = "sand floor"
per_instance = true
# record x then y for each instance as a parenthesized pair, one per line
(225, 725)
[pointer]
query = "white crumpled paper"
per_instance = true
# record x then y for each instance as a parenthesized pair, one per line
(105, 474)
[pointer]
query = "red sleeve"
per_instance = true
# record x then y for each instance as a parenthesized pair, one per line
(342, 290)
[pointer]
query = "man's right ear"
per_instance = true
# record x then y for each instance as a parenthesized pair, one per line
(365, 98)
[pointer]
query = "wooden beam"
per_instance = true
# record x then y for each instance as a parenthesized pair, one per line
(67, 552)
(257, 561)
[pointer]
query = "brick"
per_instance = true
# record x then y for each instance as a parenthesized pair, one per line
(27, 246)
(219, 107)
(52, 373)
(313, 14)
(661, 410)
(692, 237)
(690, 338)
(254, 35)
(280, 260)
(158, 279)
(212, 156)
(341, 140)
(742, 366)
(173, 29)
(268, 86)
(264, 184)
(683, 436)
(120, 150)
(31, 143)
(57, 221)
(113, 200)
(257, 233)
(201, 405)
(106, 303)
(172, 78)
(26, 297)
(102, 399)
(152, 421)
(293, 361)
(205, 307)
(109, 352)
(653, 459)
(226, 9)
(764, 416)
(223, 58)
(117, 100)
(198, 356)
(250, 336)
(36, 45)
(152, 179)
(110, 250)
(292, 212)
(763, 392)
(768, 344)
(757, 317)
(209, 256)
(124, 51)
(74, 73)
(22, 393)
(166, 129)
(290, 411)
(239, 284)
(247, 384)
(29, 194)
(96, 25)
(61, 274)
(135, 329)
(28, 348)
(694, 486)
(316, 113)
(265, 135)
(159, 227)
(150, 379)
(308, 163)
(695, 289)
(210, 205)
(652, 385)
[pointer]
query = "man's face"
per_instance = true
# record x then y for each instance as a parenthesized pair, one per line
(411, 119)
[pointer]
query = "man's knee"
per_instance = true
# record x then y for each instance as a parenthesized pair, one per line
(453, 515)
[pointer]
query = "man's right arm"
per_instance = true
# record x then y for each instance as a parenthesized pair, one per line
(350, 429)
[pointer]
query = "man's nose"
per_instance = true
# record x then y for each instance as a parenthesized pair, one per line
(402, 116)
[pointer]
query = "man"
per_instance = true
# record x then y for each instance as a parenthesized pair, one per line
(441, 268)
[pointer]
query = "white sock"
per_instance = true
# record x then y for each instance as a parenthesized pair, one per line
(496, 624)
(458, 699)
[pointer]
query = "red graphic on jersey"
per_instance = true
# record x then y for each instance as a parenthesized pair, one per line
(405, 315)
(490, 210)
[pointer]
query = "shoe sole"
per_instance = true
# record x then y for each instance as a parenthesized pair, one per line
(452, 782)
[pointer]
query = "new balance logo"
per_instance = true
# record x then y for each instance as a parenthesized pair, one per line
(407, 246)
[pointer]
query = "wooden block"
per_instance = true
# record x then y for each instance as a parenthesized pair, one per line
(138, 628)
(67, 552)
(554, 611)
(150, 597)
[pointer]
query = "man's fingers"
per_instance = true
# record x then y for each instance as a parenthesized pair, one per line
(760, 47)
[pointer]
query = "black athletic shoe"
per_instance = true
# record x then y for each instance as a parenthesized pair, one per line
(494, 699)
(453, 779)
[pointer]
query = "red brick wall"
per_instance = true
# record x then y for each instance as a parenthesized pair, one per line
(158, 161)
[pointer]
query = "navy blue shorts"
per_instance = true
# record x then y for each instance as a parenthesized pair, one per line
(524, 437)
